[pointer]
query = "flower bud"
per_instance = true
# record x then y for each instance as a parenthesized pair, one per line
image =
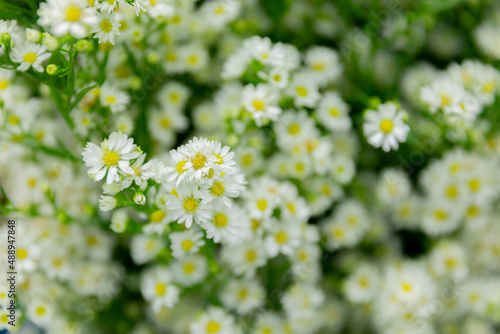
(52, 69)
(33, 35)
(139, 198)
(50, 42)
(5, 38)
(107, 203)
(119, 221)
(83, 46)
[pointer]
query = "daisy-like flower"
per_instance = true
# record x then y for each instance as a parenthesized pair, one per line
(29, 55)
(66, 16)
(186, 242)
(242, 295)
(262, 102)
(190, 270)
(106, 28)
(187, 205)
(113, 98)
(109, 6)
(385, 127)
(227, 225)
(111, 159)
(200, 158)
(221, 190)
(157, 288)
(139, 7)
(178, 172)
(214, 321)
(224, 157)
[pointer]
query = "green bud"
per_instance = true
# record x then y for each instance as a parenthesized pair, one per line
(50, 42)
(83, 46)
(52, 69)
(153, 58)
(135, 83)
(5, 38)
(374, 102)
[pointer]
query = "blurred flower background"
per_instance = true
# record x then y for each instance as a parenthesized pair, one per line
(250, 167)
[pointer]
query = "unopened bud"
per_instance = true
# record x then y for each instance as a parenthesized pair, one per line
(52, 69)
(50, 42)
(139, 198)
(83, 46)
(33, 35)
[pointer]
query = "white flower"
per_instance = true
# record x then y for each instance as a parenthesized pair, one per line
(242, 295)
(362, 285)
(200, 158)
(66, 16)
(214, 321)
(113, 98)
(283, 238)
(187, 205)
(227, 225)
(304, 90)
(190, 270)
(385, 127)
(157, 288)
(144, 248)
(106, 28)
(323, 64)
(262, 102)
(333, 112)
(111, 159)
(29, 55)
(186, 242)
(108, 6)
(244, 258)
(442, 94)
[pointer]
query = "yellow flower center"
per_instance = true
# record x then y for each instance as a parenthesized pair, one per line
(73, 14)
(474, 185)
(406, 287)
(440, 215)
(180, 166)
(219, 159)
(293, 129)
(161, 288)
(262, 204)
(220, 220)
(302, 91)
(187, 245)
(213, 327)
(334, 112)
(165, 122)
(111, 158)
(472, 211)
(30, 57)
(258, 105)
(318, 67)
(40, 310)
(22, 254)
(4, 84)
(489, 87)
(4, 318)
(106, 25)
(363, 282)
(445, 100)
(246, 160)
(217, 188)
(255, 224)
(111, 99)
(192, 60)
(281, 237)
(92, 240)
(251, 256)
(189, 268)
(199, 161)
(190, 204)
(157, 216)
(14, 120)
(452, 192)
(386, 126)
(242, 294)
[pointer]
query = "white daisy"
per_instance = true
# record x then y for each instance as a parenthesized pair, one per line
(262, 102)
(158, 289)
(106, 28)
(29, 55)
(113, 98)
(227, 225)
(214, 321)
(112, 158)
(385, 127)
(186, 242)
(187, 205)
(66, 16)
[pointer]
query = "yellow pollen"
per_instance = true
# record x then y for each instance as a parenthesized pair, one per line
(213, 327)
(165, 122)
(73, 14)
(187, 245)
(219, 10)
(190, 204)
(294, 129)
(251, 256)
(318, 67)
(217, 188)
(277, 77)
(30, 57)
(189, 268)
(364, 282)
(161, 288)
(262, 205)
(4, 84)
(255, 224)
(174, 192)
(281, 237)
(474, 185)
(174, 97)
(14, 120)
(440, 215)
(386, 126)
(246, 160)
(302, 91)
(451, 263)
(4, 318)
(219, 159)
(338, 233)
(445, 100)
(92, 240)
(192, 60)
(242, 294)
(111, 158)
(180, 166)
(258, 105)
(406, 287)
(220, 220)
(300, 167)
(472, 211)
(31, 182)
(157, 216)
(111, 99)
(40, 311)
(334, 112)
(452, 192)
(106, 25)
(199, 161)
(171, 57)
(291, 207)
(57, 262)
(489, 87)
(22, 254)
